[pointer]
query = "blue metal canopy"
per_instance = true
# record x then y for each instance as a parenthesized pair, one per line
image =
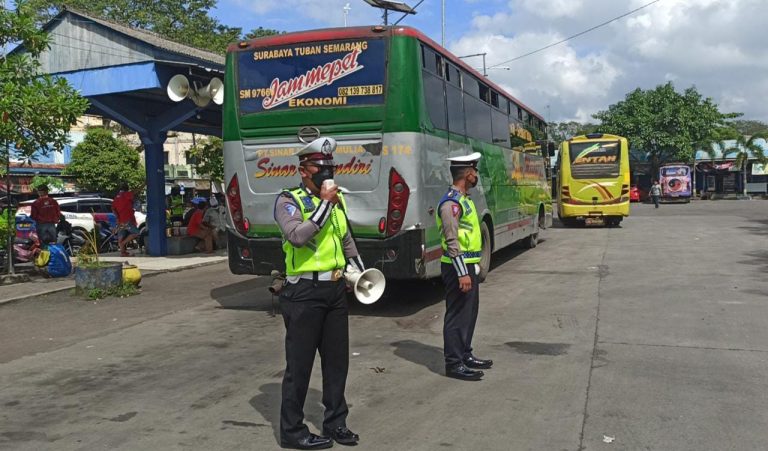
(124, 73)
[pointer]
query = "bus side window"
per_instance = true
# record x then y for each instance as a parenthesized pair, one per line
(434, 89)
(477, 110)
(454, 101)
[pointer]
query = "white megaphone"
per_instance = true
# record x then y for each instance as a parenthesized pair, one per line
(178, 88)
(368, 285)
(215, 90)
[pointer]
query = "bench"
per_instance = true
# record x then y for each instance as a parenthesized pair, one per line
(180, 245)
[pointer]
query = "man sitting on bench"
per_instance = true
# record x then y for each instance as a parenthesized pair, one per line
(199, 229)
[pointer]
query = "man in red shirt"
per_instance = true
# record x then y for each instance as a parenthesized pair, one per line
(199, 229)
(45, 213)
(122, 207)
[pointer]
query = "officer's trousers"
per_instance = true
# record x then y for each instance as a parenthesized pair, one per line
(460, 314)
(316, 317)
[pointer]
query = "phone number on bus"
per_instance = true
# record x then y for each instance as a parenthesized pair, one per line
(369, 90)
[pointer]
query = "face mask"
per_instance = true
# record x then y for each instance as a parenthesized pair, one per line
(473, 184)
(325, 173)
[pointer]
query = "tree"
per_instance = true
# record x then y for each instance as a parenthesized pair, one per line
(748, 127)
(743, 150)
(668, 125)
(562, 131)
(184, 21)
(37, 110)
(101, 162)
(208, 158)
(260, 33)
(47, 180)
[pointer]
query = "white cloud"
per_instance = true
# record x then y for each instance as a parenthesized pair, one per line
(714, 45)
(549, 8)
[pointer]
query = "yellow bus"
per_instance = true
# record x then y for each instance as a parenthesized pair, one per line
(593, 180)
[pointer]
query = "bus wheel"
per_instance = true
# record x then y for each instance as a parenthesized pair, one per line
(533, 238)
(485, 256)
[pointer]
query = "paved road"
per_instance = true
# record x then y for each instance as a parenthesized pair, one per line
(654, 334)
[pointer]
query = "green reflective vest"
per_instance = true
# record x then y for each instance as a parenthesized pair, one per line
(470, 238)
(325, 251)
(177, 206)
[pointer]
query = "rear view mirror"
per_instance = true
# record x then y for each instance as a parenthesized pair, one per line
(551, 149)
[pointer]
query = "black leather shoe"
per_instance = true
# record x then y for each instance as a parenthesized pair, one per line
(311, 441)
(463, 373)
(474, 362)
(343, 436)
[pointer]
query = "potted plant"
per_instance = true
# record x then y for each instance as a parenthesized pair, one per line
(93, 274)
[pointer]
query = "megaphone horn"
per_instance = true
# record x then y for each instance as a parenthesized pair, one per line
(215, 91)
(368, 285)
(178, 88)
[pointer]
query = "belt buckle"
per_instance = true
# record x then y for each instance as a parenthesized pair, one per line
(336, 275)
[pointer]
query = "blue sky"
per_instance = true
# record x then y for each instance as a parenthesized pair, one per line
(715, 45)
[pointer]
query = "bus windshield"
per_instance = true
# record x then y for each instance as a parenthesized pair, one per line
(310, 75)
(594, 159)
(674, 170)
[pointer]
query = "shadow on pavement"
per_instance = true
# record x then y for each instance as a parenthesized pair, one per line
(251, 294)
(401, 298)
(428, 356)
(758, 258)
(761, 229)
(267, 403)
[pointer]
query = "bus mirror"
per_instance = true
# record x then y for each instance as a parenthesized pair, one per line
(551, 149)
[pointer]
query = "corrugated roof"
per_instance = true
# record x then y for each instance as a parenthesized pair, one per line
(153, 39)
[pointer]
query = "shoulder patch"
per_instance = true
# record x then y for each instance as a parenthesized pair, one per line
(467, 207)
(291, 209)
(308, 204)
(455, 209)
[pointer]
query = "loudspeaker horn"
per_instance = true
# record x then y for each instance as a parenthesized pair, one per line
(215, 90)
(178, 88)
(368, 285)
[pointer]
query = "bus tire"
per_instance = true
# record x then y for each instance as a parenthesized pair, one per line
(485, 258)
(533, 239)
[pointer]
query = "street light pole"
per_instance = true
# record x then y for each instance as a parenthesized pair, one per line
(442, 36)
(346, 12)
(9, 237)
(485, 73)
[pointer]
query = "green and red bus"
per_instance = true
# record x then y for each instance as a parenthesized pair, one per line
(398, 105)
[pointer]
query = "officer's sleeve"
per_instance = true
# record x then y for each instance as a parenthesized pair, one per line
(451, 233)
(297, 231)
(350, 251)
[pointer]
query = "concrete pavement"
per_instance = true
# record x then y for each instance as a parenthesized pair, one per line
(653, 334)
(146, 264)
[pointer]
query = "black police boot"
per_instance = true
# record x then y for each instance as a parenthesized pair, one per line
(474, 362)
(462, 372)
(311, 441)
(343, 436)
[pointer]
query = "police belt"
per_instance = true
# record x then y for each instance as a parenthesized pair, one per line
(322, 276)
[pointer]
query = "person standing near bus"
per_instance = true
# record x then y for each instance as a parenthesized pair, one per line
(46, 213)
(462, 245)
(122, 207)
(318, 244)
(656, 192)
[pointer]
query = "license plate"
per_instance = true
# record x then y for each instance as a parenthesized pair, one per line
(593, 221)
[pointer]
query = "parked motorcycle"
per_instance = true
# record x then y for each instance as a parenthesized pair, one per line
(26, 249)
(71, 239)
